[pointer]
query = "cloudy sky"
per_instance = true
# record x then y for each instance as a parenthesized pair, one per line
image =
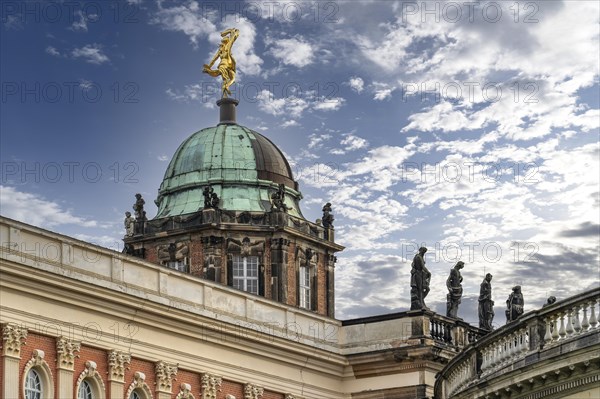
(470, 128)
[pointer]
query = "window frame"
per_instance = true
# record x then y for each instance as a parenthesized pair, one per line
(243, 264)
(37, 392)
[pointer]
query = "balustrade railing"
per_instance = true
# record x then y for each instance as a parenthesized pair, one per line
(561, 322)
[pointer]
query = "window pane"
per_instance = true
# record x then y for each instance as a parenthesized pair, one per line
(85, 391)
(33, 385)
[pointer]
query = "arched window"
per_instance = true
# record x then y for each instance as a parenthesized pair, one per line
(33, 385)
(135, 395)
(85, 391)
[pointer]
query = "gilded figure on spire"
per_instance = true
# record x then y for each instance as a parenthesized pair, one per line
(226, 67)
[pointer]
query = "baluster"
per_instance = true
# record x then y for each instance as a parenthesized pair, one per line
(585, 324)
(555, 335)
(548, 334)
(569, 329)
(593, 319)
(562, 331)
(576, 323)
(525, 344)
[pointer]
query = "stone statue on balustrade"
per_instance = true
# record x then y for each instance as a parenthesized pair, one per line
(419, 281)
(138, 208)
(129, 223)
(549, 301)
(486, 304)
(327, 218)
(455, 290)
(514, 304)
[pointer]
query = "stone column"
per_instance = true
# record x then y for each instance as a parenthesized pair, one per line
(66, 352)
(165, 372)
(13, 337)
(279, 271)
(117, 363)
(331, 259)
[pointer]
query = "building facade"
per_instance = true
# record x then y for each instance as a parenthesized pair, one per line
(228, 293)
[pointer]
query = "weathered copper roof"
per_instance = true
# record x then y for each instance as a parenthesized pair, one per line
(243, 167)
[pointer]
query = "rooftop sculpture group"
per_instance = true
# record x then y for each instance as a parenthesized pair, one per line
(420, 279)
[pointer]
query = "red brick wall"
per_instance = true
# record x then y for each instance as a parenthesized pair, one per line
(322, 285)
(268, 274)
(96, 355)
(152, 253)
(186, 377)
(143, 366)
(291, 276)
(272, 395)
(48, 345)
(231, 388)
(196, 258)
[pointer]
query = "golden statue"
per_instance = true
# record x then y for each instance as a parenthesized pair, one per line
(226, 68)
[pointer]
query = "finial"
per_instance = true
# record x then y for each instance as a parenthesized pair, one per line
(226, 67)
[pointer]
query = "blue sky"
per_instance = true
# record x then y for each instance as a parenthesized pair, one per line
(471, 128)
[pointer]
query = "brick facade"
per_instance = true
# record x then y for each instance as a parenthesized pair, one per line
(100, 357)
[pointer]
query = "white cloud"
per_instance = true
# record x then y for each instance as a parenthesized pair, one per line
(382, 91)
(352, 143)
(329, 104)
(80, 24)
(289, 123)
(52, 51)
(292, 106)
(294, 51)
(357, 84)
(91, 53)
(35, 210)
(316, 140)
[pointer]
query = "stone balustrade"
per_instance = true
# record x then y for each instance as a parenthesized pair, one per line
(519, 342)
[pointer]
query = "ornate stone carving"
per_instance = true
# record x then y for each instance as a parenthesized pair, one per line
(419, 281)
(90, 372)
(139, 380)
(13, 337)
(66, 351)
(117, 364)
(486, 304)
(253, 392)
(138, 208)
(327, 218)
(165, 372)
(129, 224)
(211, 199)
(185, 392)
(37, 358)
(277, 200)
(211, 384)
(514, 304)
(454, 285)
(290, 396)
(173, 252)
(246, 247)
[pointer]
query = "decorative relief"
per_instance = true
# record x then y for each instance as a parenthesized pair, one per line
(13, 337)
(290, 396)
(66, 351)
(210, 386)
(139, 382)
(37, 358)
(246, 247)
(173, 252)
(165, 372)
(253, 392)
(90, 372)
(185, 392)
(117, 364)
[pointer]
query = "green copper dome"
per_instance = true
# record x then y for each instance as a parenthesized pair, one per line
(243, 167)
